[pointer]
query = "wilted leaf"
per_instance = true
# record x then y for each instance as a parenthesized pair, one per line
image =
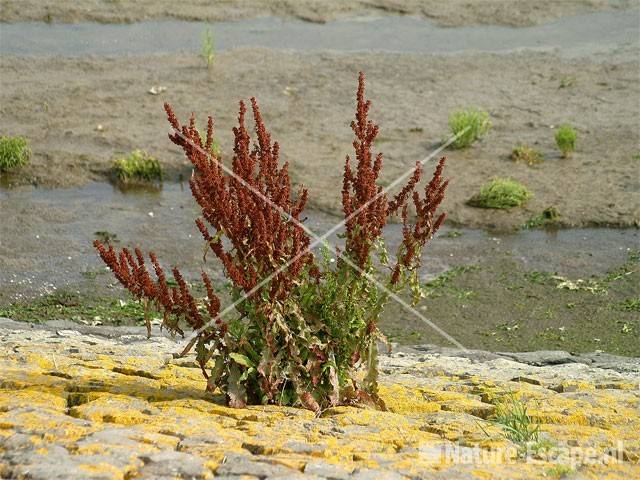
(371, 377)
(334, 396)
(266, 361)
(309, 402)
(235, 390)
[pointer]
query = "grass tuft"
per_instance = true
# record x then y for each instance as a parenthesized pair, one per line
(471, 124)
(501, 193)
(566, 137)
(137, 166)
(567, 81)
(208, 47)
(512, 416)
(525, 154)
(14, 152)
(106, 237)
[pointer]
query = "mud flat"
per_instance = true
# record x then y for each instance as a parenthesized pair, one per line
(93, 102)
(447, 13)
(84, 111)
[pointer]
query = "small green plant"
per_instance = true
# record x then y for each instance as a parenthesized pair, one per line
(630, 305)
(469, 125)
(445, 284)
(71, 306)
(543, 446)
(512, 416)
(559, 471)
(444, 279)
(538, 278)
(549, 216)
(106, 237)
(509, 329)
(566, 137)
(525, 154)
(14, 152)
(567, 81)
(137, 166)
(453, 234)
(501, 193)
(626, 328)
(208, 47)
(626, 269)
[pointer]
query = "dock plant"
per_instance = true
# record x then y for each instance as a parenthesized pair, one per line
(14, 152)
(303, 327)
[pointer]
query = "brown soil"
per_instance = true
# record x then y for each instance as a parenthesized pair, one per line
(308, 101)
(447, 13)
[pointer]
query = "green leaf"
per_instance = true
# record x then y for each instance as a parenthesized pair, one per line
(201, 351)
(241, 359)
(246, 373)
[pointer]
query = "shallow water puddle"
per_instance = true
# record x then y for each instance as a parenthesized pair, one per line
(572, 36)
(46, 237)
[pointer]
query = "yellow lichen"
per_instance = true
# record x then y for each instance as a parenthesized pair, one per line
(104, 469)
(161, 403)
(35, 397)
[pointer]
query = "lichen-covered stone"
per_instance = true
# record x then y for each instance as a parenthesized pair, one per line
(95, 406)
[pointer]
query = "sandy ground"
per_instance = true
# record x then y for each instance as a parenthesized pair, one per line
(515, 13)
(308, 102)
